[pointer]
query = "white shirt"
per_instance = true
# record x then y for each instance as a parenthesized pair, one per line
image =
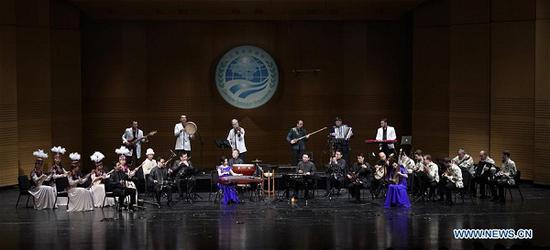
(236, 141)
(183, 141)
(390, 135)
(432, 172)
(129, 135)
(148, 165)
(407, 162)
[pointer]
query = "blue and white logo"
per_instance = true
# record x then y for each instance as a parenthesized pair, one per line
(247, 77)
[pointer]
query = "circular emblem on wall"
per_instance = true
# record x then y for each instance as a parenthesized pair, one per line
(247, 77)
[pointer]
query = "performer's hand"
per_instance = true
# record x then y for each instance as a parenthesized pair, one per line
(307, 136)
(292, 141)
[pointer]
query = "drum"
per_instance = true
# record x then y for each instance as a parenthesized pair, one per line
(244, 169)
(190, 128)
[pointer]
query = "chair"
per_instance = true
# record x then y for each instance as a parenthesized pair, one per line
(61, 185)
(467, 181)
(24, 185)
(517, 178)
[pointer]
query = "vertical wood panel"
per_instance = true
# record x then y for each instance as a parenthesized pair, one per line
(469, 92)
(512, 87)
(542, 102)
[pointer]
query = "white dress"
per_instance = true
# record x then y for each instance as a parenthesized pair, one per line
(44, 196)
(98, 192)
(80, 199)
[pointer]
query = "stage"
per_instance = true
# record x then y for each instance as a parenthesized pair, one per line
(321, 224)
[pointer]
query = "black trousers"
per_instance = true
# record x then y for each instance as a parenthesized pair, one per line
(335, 182)
(163, 189)
(355, 189)
(447, 188)
(121, 193)
(243, 156)
(305, 183)
(187, 183)
(482, 181)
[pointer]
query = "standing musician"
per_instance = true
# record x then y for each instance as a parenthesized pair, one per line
(342, 134)
(118, 182)
(236, 139)
(185, 175)
(159, 179)
(132, 140)
(451, 179)
(359, 176)
(386, 132)
(183, 139)
(504, 177)
(298, 147)
(336, 172)
(464, 161)
(482, 174)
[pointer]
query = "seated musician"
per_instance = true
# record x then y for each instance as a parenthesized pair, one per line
(44, 195)
(185, 175)
(464, 161)
(418, 172)
(118, 182)
(504, 177)
(379, 173)
(159, 180)
(235, 158)
(229, 192)
(148, 164)
(307, 169)
(98, 178)
(336, 169)
(482, 174)
(359, 176)
(451, 179)
(405, 161)
(80, 199)
(430, 176)
(397, 196)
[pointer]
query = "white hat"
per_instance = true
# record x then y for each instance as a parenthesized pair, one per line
(58, 150)
(97, 157)
(122, 151)
(150, 151)
(40, 154)
(74, 156)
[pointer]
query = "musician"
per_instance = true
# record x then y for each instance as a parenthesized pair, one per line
(464, 161)
(80, 199)
(380, 170)
(235, 158)
(159, 178)
(132, 140)
(396, 196)
(185, 175)
(118, 182)
(183, 139)
(359, 176)
(236, 139)
(418, 174)
(504, 177)
(451, 179)
(482, 174)
(405, 161)
(57, 168)
(229, 192)
(98, 177)
(342, 134)
(149, 163)
(44, 195)
(336, 171)
(298, 147)
(386, 132)
(305, 168)
(430, 178)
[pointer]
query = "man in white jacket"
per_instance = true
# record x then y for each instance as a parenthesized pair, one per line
(183, 139)
(236, 139)
(386, 132)
(132, 140)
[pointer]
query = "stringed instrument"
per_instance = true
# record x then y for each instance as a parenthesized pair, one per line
(132, 142)
(294, 141)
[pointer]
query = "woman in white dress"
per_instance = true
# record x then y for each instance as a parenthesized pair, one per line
(98, 187)
(43, 195)
(80, 199)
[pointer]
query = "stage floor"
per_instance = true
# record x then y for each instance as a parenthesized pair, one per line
(322, 224)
